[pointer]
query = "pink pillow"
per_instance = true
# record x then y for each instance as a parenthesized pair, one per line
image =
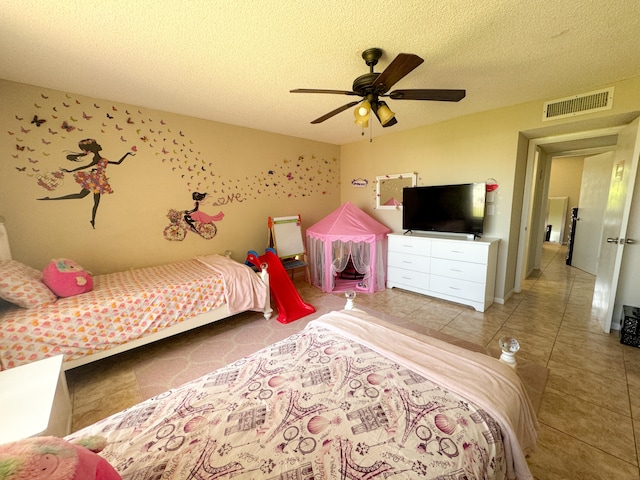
(66, 278)
(22, 285)
(53, 458)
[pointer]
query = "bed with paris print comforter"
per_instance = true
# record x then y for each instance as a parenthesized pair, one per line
(348, 397)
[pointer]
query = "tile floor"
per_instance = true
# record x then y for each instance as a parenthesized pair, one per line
(590, 405)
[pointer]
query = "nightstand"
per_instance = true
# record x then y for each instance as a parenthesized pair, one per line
(34, 401)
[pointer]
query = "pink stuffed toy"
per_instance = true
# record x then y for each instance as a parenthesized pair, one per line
(66, 278)
(54, 458)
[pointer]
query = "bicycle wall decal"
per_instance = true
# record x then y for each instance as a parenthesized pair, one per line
(195, 220)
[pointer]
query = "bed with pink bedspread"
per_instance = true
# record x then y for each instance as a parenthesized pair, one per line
(131, 308)
(348, 397)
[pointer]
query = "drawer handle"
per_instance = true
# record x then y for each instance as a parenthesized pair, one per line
(406, 278)
(454, 288)
(457, 251)
(407, 261)
(454, 270)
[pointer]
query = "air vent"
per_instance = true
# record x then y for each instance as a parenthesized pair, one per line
(578, 104)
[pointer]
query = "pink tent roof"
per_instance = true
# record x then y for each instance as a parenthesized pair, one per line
(346, 223)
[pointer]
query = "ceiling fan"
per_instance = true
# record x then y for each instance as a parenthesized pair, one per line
(373, 86)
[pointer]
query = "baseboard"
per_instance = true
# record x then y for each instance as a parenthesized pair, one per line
(502, 301)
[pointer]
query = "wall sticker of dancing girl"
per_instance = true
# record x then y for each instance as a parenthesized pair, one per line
(95, 180)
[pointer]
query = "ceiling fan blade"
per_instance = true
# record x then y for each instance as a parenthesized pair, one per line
(390, 123)
(335, 112)
(397, 69)
(429, 94)
(316, 90)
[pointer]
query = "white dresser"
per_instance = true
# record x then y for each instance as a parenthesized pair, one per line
(451, 268)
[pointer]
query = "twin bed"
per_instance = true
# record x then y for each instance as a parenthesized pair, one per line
(347, 397)
(128, 309)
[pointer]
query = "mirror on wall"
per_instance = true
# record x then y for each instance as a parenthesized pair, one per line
(389, 189)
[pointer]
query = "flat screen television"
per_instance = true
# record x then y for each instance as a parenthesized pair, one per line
(444, 208)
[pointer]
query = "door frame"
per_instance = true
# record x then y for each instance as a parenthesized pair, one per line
(529, 234)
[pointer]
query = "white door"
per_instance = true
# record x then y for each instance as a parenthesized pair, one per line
(594, 191)
(623, 179)
(629, 282)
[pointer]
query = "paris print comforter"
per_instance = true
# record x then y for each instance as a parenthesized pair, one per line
(349, 397)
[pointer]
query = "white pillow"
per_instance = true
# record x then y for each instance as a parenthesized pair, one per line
(22, 285)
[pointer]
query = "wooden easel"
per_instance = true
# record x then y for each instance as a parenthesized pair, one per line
(285, 237)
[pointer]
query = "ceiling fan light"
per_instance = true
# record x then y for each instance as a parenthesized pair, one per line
(362, 113)
(363, 109)
(384, 113)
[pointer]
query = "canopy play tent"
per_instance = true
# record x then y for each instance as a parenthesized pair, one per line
(347, 237)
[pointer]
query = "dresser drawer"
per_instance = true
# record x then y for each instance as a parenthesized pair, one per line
(413, 245)
(415, 280)
(463, 251)
(458, 288)
(473, 272)
(408, 261)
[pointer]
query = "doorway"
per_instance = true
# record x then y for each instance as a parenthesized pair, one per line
(537, 175)
(556, 219)
(538, 170)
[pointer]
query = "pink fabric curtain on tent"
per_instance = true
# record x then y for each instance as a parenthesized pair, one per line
(347, 234)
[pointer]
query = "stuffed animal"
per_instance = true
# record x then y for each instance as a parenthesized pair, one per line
(53, 458)
(65, 278)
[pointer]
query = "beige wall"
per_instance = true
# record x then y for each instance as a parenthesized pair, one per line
(468, 149)
(251, 174)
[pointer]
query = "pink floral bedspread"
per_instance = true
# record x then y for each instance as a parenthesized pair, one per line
(316, 405)
(123, 306)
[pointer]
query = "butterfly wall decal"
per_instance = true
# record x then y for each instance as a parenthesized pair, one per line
(37, 121)
(67, 127)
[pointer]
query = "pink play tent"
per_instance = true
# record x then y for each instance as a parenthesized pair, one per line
(347, 250)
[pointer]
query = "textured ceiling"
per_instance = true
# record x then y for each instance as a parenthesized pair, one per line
(235, 61)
